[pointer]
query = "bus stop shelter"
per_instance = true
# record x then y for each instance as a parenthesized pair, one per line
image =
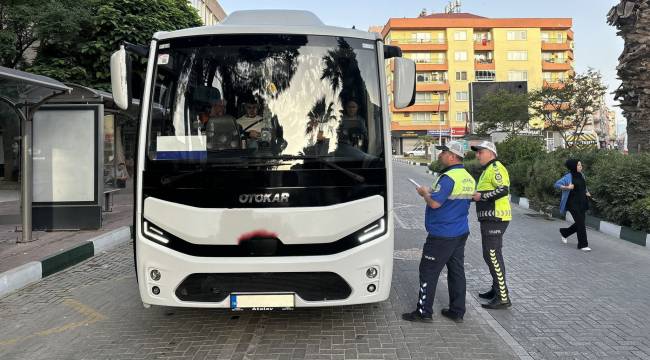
(26, 93)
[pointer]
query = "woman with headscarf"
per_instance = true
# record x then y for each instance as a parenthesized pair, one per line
(574, 200)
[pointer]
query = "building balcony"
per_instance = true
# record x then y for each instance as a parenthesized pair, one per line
(483, 45)
(484, 64)
(432, 66)
(556, 65)
(555, 45)
(432, 86)
(569, 34)
(413, 45)
(427, 65)
(433, 107)
(553, 84)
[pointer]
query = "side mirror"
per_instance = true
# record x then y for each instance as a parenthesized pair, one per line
(404, 83)
(120, 74)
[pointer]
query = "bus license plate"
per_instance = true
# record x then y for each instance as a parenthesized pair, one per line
(262, 302)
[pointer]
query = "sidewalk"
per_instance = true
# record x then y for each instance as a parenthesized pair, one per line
(13, 254)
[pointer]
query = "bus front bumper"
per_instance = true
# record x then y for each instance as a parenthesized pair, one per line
(329, 280)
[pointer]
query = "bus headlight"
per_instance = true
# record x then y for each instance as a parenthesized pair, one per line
(153, 233)
(373, 231)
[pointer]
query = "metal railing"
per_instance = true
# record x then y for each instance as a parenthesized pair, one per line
(441, 82)
(430, 61)
(484, 61)
(554, 40)
(419, 41)
(556, 60)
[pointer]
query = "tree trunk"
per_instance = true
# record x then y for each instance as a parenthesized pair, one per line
(632, 19)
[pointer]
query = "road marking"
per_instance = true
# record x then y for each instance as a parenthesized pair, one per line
(399, 221)
(91, 316)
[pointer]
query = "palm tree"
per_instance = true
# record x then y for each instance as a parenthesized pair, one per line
(632, 18)
(319, 115)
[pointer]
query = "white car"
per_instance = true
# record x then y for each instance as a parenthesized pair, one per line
(418, 151)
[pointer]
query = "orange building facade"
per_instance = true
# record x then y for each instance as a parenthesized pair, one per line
(453, 50)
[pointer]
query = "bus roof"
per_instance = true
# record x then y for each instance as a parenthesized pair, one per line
(269, 22)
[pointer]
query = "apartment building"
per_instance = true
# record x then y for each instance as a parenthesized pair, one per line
(210, 11)
(451, 50)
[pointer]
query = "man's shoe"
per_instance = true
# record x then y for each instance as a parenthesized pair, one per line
(451, 316)
(497, 304)
(415, 316)
(488, 294)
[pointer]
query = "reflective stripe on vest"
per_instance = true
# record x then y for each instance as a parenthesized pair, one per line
(496, 171)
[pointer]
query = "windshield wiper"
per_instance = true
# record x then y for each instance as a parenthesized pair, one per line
(321, 159)
(166, 180)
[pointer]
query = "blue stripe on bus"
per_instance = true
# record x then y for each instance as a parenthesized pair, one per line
(181, 155)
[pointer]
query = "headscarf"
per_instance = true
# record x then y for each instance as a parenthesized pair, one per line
(572, 165)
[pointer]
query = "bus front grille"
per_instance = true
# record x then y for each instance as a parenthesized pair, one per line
(310, 286)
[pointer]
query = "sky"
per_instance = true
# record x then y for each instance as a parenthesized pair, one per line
(596, 43)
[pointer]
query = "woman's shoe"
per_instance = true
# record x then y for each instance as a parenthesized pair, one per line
(585, 249)
(564, 240)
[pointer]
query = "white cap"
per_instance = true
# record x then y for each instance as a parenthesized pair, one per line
(453, 147)
(485, 145)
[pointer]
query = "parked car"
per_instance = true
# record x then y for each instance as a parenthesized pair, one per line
(417, 151)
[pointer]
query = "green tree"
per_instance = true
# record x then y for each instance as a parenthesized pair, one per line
(502, 111)
(426, 140)
(24, 24)
(567, 109)
(77, 38)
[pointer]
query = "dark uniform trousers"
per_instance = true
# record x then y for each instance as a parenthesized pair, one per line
(437, 253)
(492, 241)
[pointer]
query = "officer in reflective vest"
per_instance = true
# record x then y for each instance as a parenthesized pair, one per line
(494, 215)
(447, 227)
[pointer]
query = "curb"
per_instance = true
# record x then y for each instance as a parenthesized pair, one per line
(410, 162)
(617, 231)
(16, 278)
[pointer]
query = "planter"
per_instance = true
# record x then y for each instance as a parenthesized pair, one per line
(634, 236)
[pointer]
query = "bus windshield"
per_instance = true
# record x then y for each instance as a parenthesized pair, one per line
(229, 100)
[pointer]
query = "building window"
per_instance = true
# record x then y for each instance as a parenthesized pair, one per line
(421, 37)
(482, 38)
(462, 96)
(557, 38)
(460, 55)
(554, 57)
(554, 76)
(460, 35)
(438, 58)
(461, 75)
(420, 57)
(423, 98)
(421, 117)
(431, 77)
(485, 75)
(518, 55)
(461, 116)
(517, 35)
(517, 75)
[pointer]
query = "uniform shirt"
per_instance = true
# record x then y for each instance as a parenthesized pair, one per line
(450, 219)
(494, 186)
(246, 121)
